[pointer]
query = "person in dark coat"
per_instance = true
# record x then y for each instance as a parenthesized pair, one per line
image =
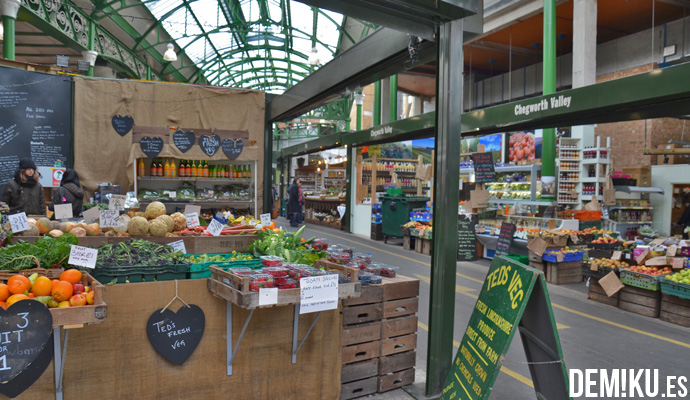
(24, 193)
(294, 206)
(69, 191)
(684, 220)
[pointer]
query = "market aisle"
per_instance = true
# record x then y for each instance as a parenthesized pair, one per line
(592, 335)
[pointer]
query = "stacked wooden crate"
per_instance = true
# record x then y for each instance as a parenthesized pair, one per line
(379, 338)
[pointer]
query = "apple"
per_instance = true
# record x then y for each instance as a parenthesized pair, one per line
(64, 304)
(78, 300)
(90, 298)
(78, 288)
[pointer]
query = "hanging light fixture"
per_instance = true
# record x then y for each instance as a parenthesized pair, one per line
(170, 53)
(314, 56)
(2, 31)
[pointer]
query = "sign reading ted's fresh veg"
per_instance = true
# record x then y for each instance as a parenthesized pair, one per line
(514, 295)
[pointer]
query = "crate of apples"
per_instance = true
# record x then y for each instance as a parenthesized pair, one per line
(653, 271)
(67, 291)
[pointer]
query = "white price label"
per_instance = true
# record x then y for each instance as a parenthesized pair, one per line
(83, 256)
(117, 202)
(318, 293)
(265, 219)
(268, 296)
(214, 228)
(91, 215)
(18, 222)
(63, 211)
(192, 220)
(178, 246)
(109, 218)
(191, 208)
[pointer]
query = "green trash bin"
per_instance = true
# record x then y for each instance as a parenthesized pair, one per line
(396, 212)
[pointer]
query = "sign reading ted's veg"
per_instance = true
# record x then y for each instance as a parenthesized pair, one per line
(490, 331)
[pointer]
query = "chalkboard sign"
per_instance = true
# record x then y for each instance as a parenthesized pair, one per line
(176, 335)
(209, 144)
(232, 148)
(152, 147)
(184, 140)
(33, 124)
(505, 239)
(24, 380)
(467, 241)
(26, 326)
(484, 167)
(122, 125)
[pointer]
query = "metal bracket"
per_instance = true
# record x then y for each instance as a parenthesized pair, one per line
(59, 361)
(230, 351)
(295, 347)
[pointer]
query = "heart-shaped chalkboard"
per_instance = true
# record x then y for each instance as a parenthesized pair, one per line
(122, 124)
(184, 140)
(233, 148)
(28, 326)
(209, 144)
(151, 146)
(176, 335)
(24, 380)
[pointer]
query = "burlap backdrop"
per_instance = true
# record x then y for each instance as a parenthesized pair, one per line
(102, 155)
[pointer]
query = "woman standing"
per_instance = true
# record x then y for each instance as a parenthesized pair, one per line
(24, 193)
(294, 206)
(69, 191)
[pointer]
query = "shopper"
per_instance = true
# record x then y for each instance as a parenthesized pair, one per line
(69, 191)
(294, 206)
(684, 220)
(24, 193)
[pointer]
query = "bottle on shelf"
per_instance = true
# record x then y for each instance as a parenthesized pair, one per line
(195, 169)
(188, 169)
(166, 168)
(173, 169)
(153, 170)
(141, 168)
(249, 172)
(206, 175)
(181, 170)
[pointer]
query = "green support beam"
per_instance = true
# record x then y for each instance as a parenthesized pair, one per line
(393, 112)
(312, 146)
(377, 104)
(548, 165)
(8, 39)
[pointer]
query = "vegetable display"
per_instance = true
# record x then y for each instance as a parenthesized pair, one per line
(47, 252)
(292, 247)
(138, 253)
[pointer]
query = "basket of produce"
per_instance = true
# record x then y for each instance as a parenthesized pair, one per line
(605, 243)
(677, 284)
(139, 261)
(643, 277)
(600, 267)
(200, 263)
(564, 254)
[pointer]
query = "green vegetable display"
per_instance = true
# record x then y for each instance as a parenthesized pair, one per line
(101, 206)
(287, 245)
(47, 252)
(235, 256)
(138, 253)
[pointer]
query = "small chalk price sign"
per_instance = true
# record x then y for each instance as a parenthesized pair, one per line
(175, 335)
(117, 202)
(265, 219)
(109, 218)
(192, 220)
(83, 256)
(215, 227)
(178, 246)
(18, 222)
(318, 293)
(505, 239)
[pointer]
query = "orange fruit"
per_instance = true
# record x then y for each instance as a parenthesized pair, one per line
(3, 305)
(42, 286)
(18, 284)
(62, 291)
(71, 275)
(4, 292)
(15, 298)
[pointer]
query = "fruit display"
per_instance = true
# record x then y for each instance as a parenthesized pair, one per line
(608, 263)
(521, 147)
(680, 277)
(653, 271)
(606, 240)
(67, 291)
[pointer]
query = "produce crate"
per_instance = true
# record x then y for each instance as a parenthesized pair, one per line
(563, 273)
(141, 273)
(599, 273)
(605, 246)
(597, 293)
(674, 288)
(567, 257)
(640, 280)
(409, 242)
(640, 301)
(600, 253)
(675, 310)
(83, 315)
(52, 273)
(200, 270)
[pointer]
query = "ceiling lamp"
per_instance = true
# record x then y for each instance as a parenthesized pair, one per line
(314, 57)
(170, 53)
(2, 31)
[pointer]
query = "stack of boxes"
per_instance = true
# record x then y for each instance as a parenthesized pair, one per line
(379, 338)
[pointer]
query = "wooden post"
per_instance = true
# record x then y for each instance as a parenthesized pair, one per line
(373, 179)
(420, 183)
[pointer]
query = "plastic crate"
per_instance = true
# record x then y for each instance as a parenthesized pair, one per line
(567, 257)
(200, 270)
(141, 273)
(640, 280)
(674, 288)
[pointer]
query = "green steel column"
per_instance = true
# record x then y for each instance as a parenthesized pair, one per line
(8, 38)
(359, 117)
(149, 76)
(268, 159)
(349, 189)
(446, 187)
(548, 159)
(91, 45)
(393, 98)
(377, 104)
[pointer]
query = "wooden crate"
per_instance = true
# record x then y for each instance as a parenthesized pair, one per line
(427, 245)
(565, 272)
(409, 242)
(640, 301)
(361, 333)
(397, 362)
(418, 245)
(370, 294)
(399, 308)
(539, 266)
(361, 352)
(395, 380)
(359, 388)
(84, 315)
(398, 326)
(673, 309)
(400, 287)
(362, 313)
(597, 293)
(219, 244)
(359, 370)
(398, 344)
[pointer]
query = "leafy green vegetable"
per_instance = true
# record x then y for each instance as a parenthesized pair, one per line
(139, 253)
(47, 252)
(287, 245)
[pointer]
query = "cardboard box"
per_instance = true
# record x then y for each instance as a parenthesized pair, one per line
(643, 175)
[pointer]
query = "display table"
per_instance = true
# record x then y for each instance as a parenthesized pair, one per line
(322, 211)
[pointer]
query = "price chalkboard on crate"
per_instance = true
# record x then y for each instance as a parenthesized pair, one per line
(505, 239)
(467, 241)
(175, 335)
(484, 167)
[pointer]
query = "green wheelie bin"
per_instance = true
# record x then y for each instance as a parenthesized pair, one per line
(396, 213)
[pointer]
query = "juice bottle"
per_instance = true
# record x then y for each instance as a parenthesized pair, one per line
(166, 169)
(212, 171)
(194, 169)
(173, 169)
(141, 168)
(206, 173)
(249, 171)
(181, 170)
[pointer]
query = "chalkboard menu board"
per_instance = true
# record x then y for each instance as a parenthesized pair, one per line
(467, 244)
(484, 167)
(35, 119)
(505, 239)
